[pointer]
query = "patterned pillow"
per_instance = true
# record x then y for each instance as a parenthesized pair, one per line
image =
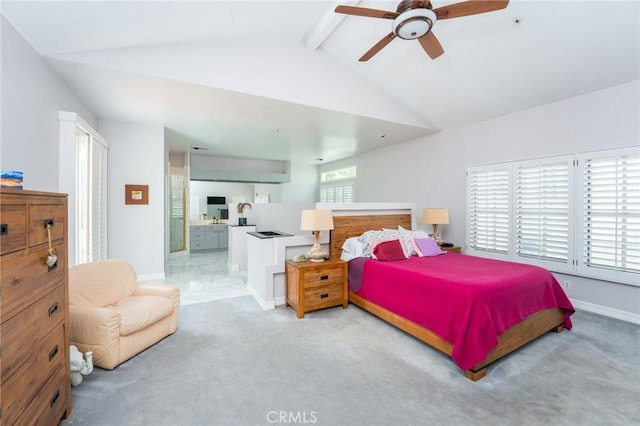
(376, 235)
(407, 236)
(388, 250)
(426, 247)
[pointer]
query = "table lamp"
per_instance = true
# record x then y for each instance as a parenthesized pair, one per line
(316, 221)
(435, 216)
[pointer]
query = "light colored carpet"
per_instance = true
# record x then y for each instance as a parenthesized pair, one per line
(230, 363)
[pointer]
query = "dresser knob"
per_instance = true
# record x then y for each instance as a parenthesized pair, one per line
(55, 398)
(53, 353)
(53, 309)
(324, 295)
(324, 277)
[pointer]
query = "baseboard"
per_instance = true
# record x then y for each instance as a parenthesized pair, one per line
(266, 306)
(279, 301)
(151, 277)
(607, 312)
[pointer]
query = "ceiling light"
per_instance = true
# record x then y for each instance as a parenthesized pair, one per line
(413, 23)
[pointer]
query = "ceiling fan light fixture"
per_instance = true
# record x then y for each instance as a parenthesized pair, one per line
(413, 23)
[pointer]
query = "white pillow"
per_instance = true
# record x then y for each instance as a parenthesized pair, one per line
(351, 249)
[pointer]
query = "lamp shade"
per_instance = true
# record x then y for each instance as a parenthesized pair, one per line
(316, 220)
(435, 216)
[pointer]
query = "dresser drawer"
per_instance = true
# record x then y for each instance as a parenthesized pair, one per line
(330, 295)
(50, 404)
(26, 329)
(13, 220)
(197, 235)
(38, 213)
(320, 277)
(26, 277)
(25, 383)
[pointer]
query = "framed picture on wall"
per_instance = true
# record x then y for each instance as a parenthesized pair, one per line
(136, 194)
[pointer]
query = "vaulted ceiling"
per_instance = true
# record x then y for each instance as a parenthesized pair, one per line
(281, 79)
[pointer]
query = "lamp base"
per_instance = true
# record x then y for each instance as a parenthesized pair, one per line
(316, 254)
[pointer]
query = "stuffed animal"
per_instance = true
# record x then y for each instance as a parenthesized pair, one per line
(79, 367)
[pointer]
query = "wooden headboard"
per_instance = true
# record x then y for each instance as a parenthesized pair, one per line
(353, 226)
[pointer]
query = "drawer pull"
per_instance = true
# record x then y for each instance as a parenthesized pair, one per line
(324, 277)
(53, 353)
(4, 229)
(55, 398)
(324, 295)
(49, 222)
(53, 309)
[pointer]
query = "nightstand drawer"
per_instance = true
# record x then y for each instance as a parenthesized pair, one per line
(330, 295)
(322, 277)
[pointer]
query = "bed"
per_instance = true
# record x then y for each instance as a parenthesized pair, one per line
(499, 306)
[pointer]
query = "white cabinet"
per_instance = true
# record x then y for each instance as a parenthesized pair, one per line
(209, 237)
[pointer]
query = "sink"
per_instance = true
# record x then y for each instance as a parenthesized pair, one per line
(269, 233)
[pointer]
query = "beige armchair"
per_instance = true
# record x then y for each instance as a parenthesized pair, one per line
(116, 317)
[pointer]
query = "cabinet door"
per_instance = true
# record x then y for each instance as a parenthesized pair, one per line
(223, 238)
(211, 238)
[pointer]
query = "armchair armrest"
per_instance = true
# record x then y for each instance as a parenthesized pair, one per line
(168, 291)
(98, 330)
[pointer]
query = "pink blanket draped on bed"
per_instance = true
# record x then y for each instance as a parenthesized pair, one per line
(468, 301)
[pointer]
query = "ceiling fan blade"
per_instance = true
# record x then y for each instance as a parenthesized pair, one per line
(471, 7)
(377, 47)
(431, 45)
(364, 11)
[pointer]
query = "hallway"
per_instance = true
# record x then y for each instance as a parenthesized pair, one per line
(203, 277)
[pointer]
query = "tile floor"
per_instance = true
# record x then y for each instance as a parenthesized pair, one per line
(203, 277)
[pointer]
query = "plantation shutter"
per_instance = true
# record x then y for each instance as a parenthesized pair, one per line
(611, 215)
(488, 208)
(543, 200)
(98, 201)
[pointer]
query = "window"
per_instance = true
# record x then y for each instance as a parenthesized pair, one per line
(488, 207)
(610, 226)
(91, 201)
(337, 186)
(576, 214)
(543, 200)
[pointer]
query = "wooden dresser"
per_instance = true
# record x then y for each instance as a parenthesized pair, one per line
(34, 311)
(312, 286)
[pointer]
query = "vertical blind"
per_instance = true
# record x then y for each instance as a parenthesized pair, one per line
(542, 211)
(488, 204)
(611, 218)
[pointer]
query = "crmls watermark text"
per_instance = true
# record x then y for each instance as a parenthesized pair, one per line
(292, 417)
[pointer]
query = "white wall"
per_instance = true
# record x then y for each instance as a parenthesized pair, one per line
(431, 170)
(303, 187)
(136, 232)
(32, 94)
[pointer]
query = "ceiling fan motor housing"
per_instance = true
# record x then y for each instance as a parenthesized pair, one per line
(413, 23)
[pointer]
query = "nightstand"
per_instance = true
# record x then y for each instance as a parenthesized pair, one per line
(453, 249)
(316, 285)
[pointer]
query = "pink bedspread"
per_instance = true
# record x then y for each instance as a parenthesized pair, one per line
(466, 300)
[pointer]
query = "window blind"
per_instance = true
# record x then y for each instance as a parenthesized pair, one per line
(336, 193)
(542, 210)
(611, 212)
(98, 201)
(488, 204)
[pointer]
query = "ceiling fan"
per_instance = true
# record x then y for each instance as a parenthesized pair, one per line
(414, 19)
